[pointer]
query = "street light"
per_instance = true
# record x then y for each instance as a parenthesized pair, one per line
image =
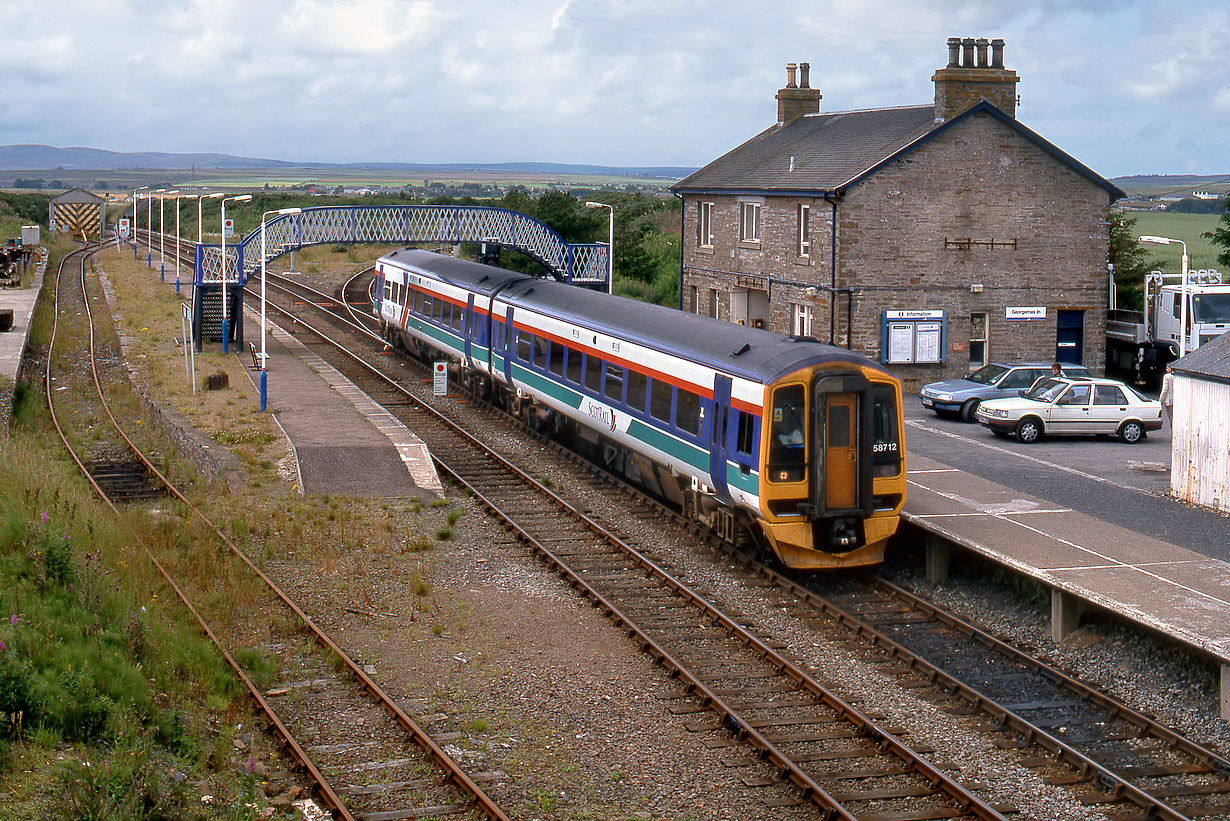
(264, 356)
(162, 234)
(149, 227)
(610, 246)
(1183, 296)
(134, 217)
(226, 328)
(199, 203)
(177, 199)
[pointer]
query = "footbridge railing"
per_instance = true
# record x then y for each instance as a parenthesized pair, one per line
(350, 224)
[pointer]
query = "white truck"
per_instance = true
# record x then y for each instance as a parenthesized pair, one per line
(1144, 342)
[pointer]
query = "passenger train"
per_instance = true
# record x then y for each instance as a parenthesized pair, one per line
(794, 443)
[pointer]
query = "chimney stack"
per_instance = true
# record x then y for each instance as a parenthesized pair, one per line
(970, 77)
(797, 98)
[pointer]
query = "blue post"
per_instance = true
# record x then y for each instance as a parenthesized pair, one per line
(162, 272)
(226, 331)
(134, 249)
(177, 284)
(264, 389)
(149, 260)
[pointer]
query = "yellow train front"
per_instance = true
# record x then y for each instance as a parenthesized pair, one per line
(832, 481)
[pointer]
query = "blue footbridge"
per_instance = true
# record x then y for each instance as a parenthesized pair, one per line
(217, 278)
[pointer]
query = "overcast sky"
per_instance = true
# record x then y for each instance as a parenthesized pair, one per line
(1124, 86)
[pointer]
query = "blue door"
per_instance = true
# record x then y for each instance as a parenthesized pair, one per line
(718, 417)
(1070, 337)
(468, 326)
(509, 346)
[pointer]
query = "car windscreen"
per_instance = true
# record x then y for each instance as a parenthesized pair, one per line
(986, 375)
(1211, 307)
(1045, 390)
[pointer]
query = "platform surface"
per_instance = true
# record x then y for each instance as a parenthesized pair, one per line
(1174, 590)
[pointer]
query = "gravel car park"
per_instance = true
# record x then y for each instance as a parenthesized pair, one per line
(1068, 405)
(961, 397)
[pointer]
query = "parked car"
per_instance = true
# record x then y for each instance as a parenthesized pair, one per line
(994, 381)
(1073, 405)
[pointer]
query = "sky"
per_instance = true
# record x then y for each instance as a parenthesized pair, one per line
(1124, 86)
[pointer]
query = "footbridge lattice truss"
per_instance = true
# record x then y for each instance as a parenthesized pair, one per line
(350, 224)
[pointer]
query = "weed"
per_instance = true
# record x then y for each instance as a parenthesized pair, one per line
(444, 534)
(437, 629)
(479, 725)
(440, 503)
(455, 514)
(542, 800)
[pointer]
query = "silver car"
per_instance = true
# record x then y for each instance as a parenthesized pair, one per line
(994, 381)
(1103, 407)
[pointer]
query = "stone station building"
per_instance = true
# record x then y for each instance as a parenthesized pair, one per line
(933, 238)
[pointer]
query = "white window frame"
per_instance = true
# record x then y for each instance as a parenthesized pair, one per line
(804, 247)
(800, 319)
(749, 221)
(704, 225)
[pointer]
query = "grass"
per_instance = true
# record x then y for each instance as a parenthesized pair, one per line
(1185, 227)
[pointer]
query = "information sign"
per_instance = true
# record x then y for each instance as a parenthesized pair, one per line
(228, 228)
(440, 385)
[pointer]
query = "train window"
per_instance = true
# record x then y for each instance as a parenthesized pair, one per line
(418, 302)
(459, 314)
(638, 384)
(426, 312)
(614, 387)
(593, 373)
(660, 396)
(573, 369)
(746, 441)
(885, 447)
(388, 289)
(441, 310)
(524, 345)
(555, 358)
(687, 412)
(787, 437)
(540, 353)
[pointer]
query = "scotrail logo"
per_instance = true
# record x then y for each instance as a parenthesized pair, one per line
(602, 414)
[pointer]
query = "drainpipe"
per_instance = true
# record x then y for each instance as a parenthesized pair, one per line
(828, 197)
(681, 204)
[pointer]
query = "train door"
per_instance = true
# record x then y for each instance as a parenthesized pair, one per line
(717, 433)
(840, 428)
(509, 343)
(468, 326)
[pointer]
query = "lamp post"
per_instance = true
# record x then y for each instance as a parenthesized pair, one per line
(610, 245)
(199, 221)
(264, 356)
(177, 199)
(149, 227)
(162, 235)
(1183, 295)
(226, 328)
(134, 217)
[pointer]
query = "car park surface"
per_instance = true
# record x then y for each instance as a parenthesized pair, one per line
(997, 380)
(1068, 405)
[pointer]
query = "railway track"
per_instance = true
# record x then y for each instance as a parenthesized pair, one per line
(366, 757)
(1115, 760)
(1112, 757)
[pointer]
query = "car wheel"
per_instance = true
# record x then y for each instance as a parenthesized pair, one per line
(1131, 432)
(1028, 430)
(969, 409)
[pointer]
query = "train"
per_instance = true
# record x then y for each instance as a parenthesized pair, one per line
(792, 444)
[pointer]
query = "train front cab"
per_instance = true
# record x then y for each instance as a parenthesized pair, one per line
(834, 478)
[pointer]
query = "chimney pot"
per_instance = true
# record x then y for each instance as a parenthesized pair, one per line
(967, 52)
(804, 75)
(790, 69)
(981, 45)
(997, 53)
(954, 52)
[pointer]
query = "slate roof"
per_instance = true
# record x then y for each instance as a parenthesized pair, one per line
(1210, 361)
(828, 152)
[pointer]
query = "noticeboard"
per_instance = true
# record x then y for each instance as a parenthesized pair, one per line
(912, 337)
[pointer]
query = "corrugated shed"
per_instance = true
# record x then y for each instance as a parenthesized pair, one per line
(1200, 438)
(1210, 361)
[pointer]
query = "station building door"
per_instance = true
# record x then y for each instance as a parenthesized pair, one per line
(1070, 337)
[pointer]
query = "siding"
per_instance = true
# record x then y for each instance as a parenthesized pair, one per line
(1200, 460)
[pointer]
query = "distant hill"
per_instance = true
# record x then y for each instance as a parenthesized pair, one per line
(52, 158)
(1155, 185)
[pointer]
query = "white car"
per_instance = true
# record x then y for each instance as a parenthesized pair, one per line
(1062, 405)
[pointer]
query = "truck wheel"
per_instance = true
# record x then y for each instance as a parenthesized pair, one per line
(1131, 432)
(1028, 430)
(969, 409)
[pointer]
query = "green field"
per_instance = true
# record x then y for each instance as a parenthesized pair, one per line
(1186, 227)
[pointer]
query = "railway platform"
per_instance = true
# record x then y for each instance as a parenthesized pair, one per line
(14, 340)
(1084, 561)
(344, 442)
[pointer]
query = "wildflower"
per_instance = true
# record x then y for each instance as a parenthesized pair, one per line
(2, 647)
(42, 514)
(15, 619)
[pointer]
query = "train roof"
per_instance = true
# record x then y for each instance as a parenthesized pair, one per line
(749, 352)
